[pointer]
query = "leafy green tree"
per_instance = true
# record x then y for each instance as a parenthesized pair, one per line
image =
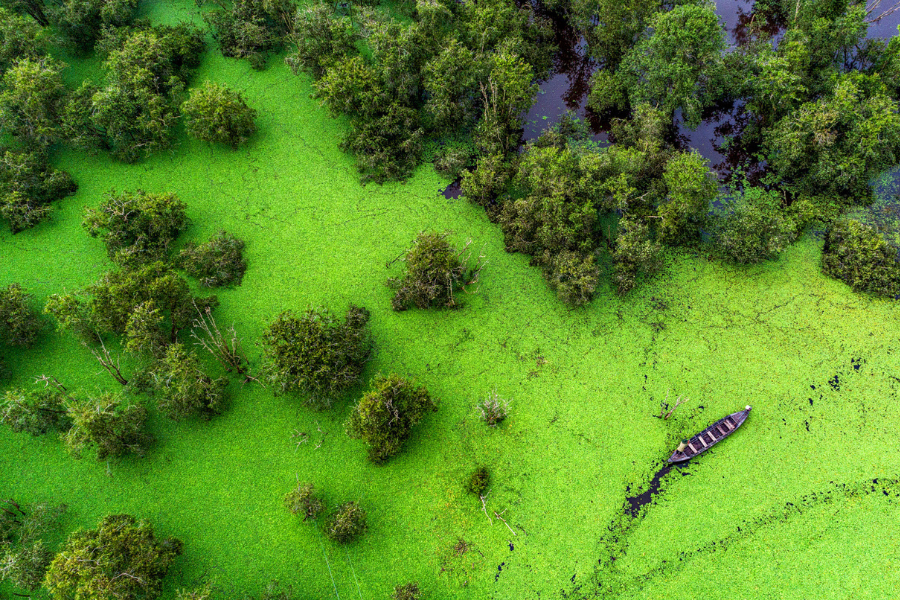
(448, 79)
(19, 38)
(346, 523)
(110, 425)
(121, 559)
(677, 66)
(321, 38)
(385, 416)
(252, 29)
(35, 413)
(507, 95)
(434, 271)
(36, 9)
(28, 185)
(31, 101)
(635, 253)
(19, 323)
(137, 227)
(304, 501)
(755, 229)
(182, 388)
(25, 550)
(613, 26)
(217, 262)
(82, 21)
(315, 354)
(574, 276)
(217, 114)
(691, 186)
(484, 184)
(858, 255)
(835, 145)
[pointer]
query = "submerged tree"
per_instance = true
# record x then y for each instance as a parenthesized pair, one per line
(346, 523)
(28, 186)
(385, 416)
(37, 412)
(122, 558)
(217, 114)
(252, 29)
(183, 389)
(316, 354)
(110, 425)
(217, 262)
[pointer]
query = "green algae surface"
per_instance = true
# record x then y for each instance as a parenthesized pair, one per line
(802, 500)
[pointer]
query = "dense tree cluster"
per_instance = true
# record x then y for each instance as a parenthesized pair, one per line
(25, 546)
(858, 254)
(251, 29)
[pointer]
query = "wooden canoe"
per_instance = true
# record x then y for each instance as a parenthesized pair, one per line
(710, 436)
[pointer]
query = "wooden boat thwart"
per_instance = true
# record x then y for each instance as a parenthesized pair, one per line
(709, 437)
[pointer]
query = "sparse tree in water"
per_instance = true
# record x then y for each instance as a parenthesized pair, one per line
(857, 254)
(316, 354)
(25, 549)
(756, 228)
(35, 412)
(409, 591)
(109, 425)
(304, 501)
(121, 559)
(434, 272)
(385, 416)
(346, 523)
(182, 388)
(217, 262)
(217, 114)
(28, 185)
(19, 323)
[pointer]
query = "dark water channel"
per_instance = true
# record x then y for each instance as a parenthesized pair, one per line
(567, 88)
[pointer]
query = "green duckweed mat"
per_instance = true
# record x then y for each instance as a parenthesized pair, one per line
(801, 502)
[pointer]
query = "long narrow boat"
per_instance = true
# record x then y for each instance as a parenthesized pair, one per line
(709, 437)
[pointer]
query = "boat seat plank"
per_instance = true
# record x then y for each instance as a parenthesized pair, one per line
(702, 441)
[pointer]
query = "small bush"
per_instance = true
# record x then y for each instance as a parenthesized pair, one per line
(314, 353)
(433, 272)
(252, 28)
(756, 230)
(858, 255)
(217, 114)
(346, 523)
(451, 160)
(19, 323)
(218, 262)
(304, 501)
(494, 409)
(34, 412)
(574, 276)
(110, 425)
(183, 389)
(385, 416)
(28, 184)
(478, 481)
(410, 591)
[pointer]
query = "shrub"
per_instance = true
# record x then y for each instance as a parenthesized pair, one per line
(691, 187)
(82, 21)
(478, 481)
(252, 28)
(121, 558)
(574, 276)
(183, 389)
(635, 253)
(756, 230)
(25, 530)
(19, 324)
(217, 114)
(433, 271)
(486, 182)
(28, 184)
(137, 227)
(494, 409)
(451, 160)
(304, 501)
(218, 262)
(410, 591)
(858, 255)
(386, 415)
(321, 37)
(31, 101)
(346, 523)
(108, 424)
(34, 412)
(314, 353)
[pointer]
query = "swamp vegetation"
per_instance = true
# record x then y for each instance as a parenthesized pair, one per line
(396, 393)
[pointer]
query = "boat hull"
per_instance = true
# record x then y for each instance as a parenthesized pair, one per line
(710, 436)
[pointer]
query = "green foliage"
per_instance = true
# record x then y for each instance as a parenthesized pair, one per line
(217, 262)
(433, 271)
(635, 253)
(315, 354)
(35, 412)
(110, 425)
(19, 38)
(574, 276)
(409, 591)
(182, 388)
(346, 523)
(28, 184)
(217, 114)
(19, 324)
(486, 182)
(137, 227)
(134, 112)
(858, 255)
(835, 145)
(304, 501)
(451, 160)
(691, 188)
(478, 481)
(322, 38)
(387, 146)
(31, 101)
(613, 26)
(252, 29)
(677, 66)
(82, 21)
(25, 553)
(756, 228)
(121, 559)
(507, 94)
(385, 416)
